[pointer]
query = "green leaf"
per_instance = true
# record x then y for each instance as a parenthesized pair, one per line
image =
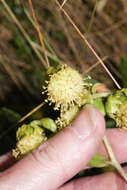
(99, 105)
(98, 161)
(49, 124)
(123, 71)
(9, 115)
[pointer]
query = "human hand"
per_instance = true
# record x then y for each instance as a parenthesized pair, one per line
(64, 155)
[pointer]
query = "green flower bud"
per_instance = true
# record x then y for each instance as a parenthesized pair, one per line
(65, 88)
(49, 124)
(29, 138)
(67, 116)
(116, 108)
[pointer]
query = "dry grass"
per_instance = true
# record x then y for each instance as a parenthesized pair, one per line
(107, 35)
(104, 29)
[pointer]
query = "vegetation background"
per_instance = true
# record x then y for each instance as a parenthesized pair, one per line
(22, 63)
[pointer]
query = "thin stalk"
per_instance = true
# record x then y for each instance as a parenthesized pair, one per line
(22, 119)
(95, 65)
(101, 95)
(114, 162)
(89, 28)
(51, 56)
(39, 33)
(50, 50)
(15, 20)
(63, 3)
(31, 112)
(88, 44)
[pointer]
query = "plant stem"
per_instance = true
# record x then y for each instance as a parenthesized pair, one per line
(50, 52)
(89, 28)
(114, 162)
(15, 20)
(39, 33)
(88, 44)
(101, 95)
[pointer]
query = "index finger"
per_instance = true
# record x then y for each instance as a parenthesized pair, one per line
(63, 156)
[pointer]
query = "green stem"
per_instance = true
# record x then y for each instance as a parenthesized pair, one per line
(89, 28)
(45, 41)
(114, 162)
(101, 95)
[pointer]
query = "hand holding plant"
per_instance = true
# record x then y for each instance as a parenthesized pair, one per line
(63, 156)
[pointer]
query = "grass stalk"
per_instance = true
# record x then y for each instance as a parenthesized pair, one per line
(88, 44)
(15, 20)
(89, 29)
(39, 33)
(114, 162)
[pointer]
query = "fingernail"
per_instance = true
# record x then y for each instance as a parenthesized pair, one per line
(86, 122)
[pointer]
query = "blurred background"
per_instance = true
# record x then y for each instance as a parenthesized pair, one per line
(22, 63)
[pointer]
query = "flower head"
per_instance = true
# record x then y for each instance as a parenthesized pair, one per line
(121, 118)
(116, 107)
(65, 88)
(29, 138)
(67, 116)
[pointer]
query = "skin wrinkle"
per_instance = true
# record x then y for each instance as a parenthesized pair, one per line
(82, 137)
(122, 187)
(36, 154)
(85, 137)
(77, 159)
(45, 154)
(119, 186)
(33, 180)
(57, 156)
(88, 140)
(64, 161)
(86, 133)
(32, 183)
(48, 154)
(53, 147)
(50, 157)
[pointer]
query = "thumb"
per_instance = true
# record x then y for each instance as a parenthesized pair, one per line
(61, 157)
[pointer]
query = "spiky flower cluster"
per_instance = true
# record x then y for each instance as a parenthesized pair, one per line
(29, 138)
(66, 116)
(121, 118)
(65, 88)
(68, 91)
(116, 107)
